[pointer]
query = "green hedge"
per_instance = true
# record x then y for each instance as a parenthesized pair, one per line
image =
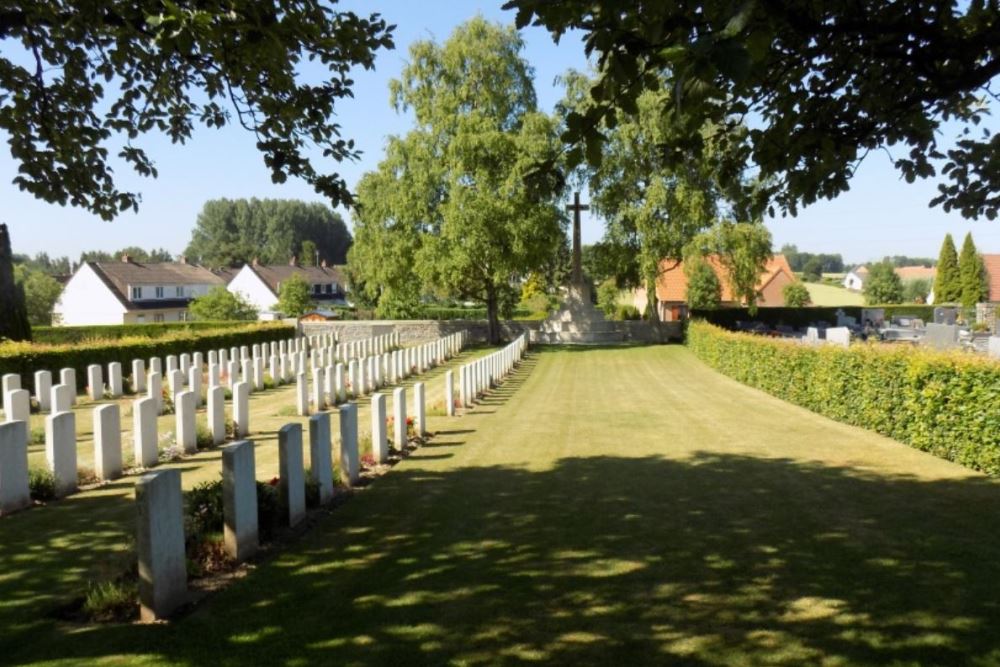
(802, 317)
(947, 404)
(59, 335)
(26, 358)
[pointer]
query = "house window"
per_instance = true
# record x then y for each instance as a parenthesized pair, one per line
(180, 291)
(182, 316)
(158, 317)
(329, 288)
(317, 289)
(136, 293)
(159, 292)
(140, 319)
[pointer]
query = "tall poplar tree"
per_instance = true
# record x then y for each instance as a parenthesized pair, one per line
(13, 312)
(972, 274)
(947, 282)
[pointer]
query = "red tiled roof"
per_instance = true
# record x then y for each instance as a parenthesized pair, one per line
(992, 264)
(915, 272)
(671, 284)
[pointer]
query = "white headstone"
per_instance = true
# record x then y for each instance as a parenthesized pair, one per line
(241, 408)
(144, 432)
(14, 491)
(301, 394)
(138, 376)
(449, 393)
(838, 336)
(194, 384)
(994, 347)
(160, 544)
(154, 390)
(175, 383)
(43, 390)
(318, 380)
(399, 418)
(380, 440)
(239, 499)
(18, 402)
(320, 463)
(60, 450)
(67, 376)
(291, 476)
(350, 461)
(115, 379)
(187, 435)
(216, 414)
(107, 441)
(420, 409)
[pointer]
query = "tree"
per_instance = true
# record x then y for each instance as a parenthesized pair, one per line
(947, 281)
(455, 200)
(827, 82)
(703, 288)
(294, 297)
(135, 253)
(653, 207)
(916, 290)
(607, 297)
(221, 304)
(813, 270)
(13, 313)
(796, 295)
(972, 274)
(883, 285)
(83, 82)
(307, 255)
(743, 250)
(41, 291)
(235, 232)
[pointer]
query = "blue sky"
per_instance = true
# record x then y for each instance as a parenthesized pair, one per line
(880, 215)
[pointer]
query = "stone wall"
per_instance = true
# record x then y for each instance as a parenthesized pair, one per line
(416, 331)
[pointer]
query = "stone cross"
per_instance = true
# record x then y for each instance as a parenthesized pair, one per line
(576, 208)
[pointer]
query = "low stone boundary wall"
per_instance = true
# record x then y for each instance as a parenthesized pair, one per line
(414, 331)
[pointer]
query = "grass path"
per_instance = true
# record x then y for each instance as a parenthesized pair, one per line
(613, 506)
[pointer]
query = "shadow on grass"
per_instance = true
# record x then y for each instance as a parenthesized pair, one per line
(611, 560)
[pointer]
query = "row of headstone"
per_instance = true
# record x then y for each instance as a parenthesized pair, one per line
(479, 376)
(840, 336)
(160, 505)
(61, 438)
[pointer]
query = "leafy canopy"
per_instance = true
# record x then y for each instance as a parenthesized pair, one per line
(232, 232)
(453, 209)
(41, 291)
(221, 304)
(796, 295)
(294, 298)
(826, 82)
(704, 291)
(883, 285)
(81, 82)
(972, 274)
(743, 250)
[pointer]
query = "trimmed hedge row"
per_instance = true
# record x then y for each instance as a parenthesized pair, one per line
(26, 358)
(947, 404)
(58, 335)
(803, 317)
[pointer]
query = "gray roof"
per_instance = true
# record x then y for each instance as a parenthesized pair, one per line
(274, 274)
(118, 276)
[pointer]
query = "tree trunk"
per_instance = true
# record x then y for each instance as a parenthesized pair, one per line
(492, 316)
(13, 311)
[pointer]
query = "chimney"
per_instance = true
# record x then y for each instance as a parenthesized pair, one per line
(126, 258)
(294, 261)
(323, 264)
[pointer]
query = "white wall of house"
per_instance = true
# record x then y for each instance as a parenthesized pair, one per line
(256, 292)
(853, 281)
(85, 300)
(155, 316)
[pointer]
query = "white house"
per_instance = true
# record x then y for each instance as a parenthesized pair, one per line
(260, 284)
(855, 278)
(128, 292)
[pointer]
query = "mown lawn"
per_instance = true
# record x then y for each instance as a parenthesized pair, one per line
(832, 295)
(606, 506)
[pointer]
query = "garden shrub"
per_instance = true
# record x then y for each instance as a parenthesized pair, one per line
(945, 403)
(41, 484)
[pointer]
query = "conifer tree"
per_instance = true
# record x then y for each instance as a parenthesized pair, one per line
(13, 312)
(972, 274)
(947, 283)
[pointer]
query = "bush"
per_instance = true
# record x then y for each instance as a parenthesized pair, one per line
(26, 358)
(947, 404)
(108, 601)
(41, 484)
(106, 332)
(626, 312)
